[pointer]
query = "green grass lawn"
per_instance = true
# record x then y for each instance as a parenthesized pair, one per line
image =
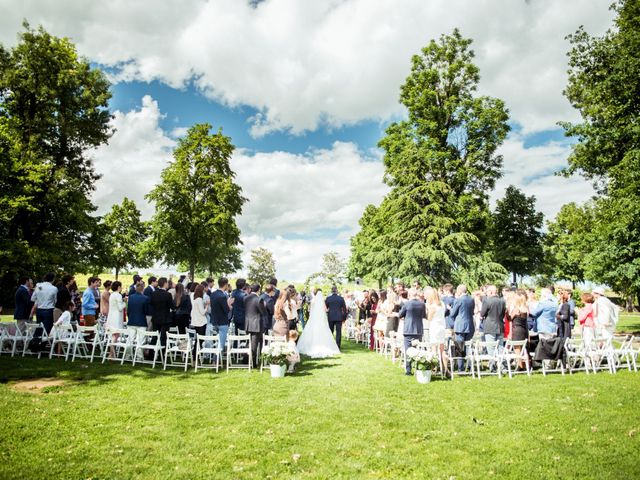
(356, 416)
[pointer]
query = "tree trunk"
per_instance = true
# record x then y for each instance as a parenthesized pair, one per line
(515, 280)
(117, 271)
(629, 303)
(379, 284)
(573, 284)
(192, 272)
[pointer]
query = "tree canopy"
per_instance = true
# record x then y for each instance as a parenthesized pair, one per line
(262, 266)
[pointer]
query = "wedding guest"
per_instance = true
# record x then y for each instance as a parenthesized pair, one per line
(586, 318)
(463, 326)
(373, 312)
(238, 310)
(198, 313)
(254, 314)
(171, 288)
(104, 302)
(364, 308)
(152, 284)
(293, 358)
(382, 320)
(220, 309)
(302, 301)
(437, 326)
(267, 299)
(280, 324)
(162, 307)
(66, 316)
(492, 314)
(132, 287)
(605, 313)
(291, 307)
(44, 300)
(563, 315)
(572, 308)
(413, 311)
(519, 313)
(448, 299)
(76, 298)
(545, 313)
(183, 308)
(115, 317)
(137, 310)
(22, 312)
(63, 297)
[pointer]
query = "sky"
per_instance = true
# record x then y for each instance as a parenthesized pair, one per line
(305, 90)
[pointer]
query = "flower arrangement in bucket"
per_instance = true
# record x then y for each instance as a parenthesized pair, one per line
(422, 361)
(275, 355)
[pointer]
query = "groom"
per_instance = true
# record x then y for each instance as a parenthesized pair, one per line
(336, 313)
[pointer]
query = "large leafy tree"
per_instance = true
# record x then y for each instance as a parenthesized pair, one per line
(441, 164)
(517, 233)
(126, 234)
(262, 266)
(196, 205)
(604, 85)
(53, 111)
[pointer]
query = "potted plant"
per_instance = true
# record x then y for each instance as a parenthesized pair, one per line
(275, 355)
(423, 362)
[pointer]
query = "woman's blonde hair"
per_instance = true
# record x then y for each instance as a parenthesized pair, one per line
(278, 312)
(432, 296)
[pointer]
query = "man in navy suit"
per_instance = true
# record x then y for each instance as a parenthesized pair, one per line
(413, 311)
(220, 308)
(22, 313)
(151, 286)
(448, 299)
(462, 317)
(336, 313)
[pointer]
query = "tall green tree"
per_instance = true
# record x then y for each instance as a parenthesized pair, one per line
(262, 266)
(126, 234)
(333, 268)
(53, 111)
(517, 233)
(568, 241)
(604, 85)
(196, 205)
(441, 163)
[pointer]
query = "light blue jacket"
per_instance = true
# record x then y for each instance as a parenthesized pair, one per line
(545, 315)
(89, 304)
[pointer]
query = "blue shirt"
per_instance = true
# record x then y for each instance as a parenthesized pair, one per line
(545, 315)
(89, 304)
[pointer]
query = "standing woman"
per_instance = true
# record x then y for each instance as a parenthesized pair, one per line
(116, 309)
(518, 313)
(183, 308)
(437, 325)
(586, 319)
(104, 302)
(382, 320)
(290, 307)
(198, 313)
(374, 299)
(563, 315)
(280, 322)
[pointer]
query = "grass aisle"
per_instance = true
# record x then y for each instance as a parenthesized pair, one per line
(355, 416)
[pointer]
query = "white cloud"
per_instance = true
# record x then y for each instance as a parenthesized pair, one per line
(131, 163)
(532, 170)
(337, 62)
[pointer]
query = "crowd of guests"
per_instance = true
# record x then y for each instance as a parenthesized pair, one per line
(160, 304)
(494, 315)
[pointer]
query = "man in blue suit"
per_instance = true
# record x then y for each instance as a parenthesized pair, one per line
(336, 313)
(462, 316)
(413, 311)
(22, 313)
(137, 311)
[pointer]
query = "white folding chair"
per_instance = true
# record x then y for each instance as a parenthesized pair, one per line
(268, 340)
(238, 345)
(121, 340)
(208, 347)
(468, 357)
(148, 341)
(622, 352)
(178, 351)
(13, 335)
(31, 329)
(509, 354)
(481, 354)
(634, 350)
(576, 355)
(86, 343)
(601, 352)
(64, 336)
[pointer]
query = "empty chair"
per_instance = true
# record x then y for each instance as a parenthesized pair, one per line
(467, 356)
(208, 347)
(238, 345)
(148, 341)
(118, 344)
(515, 351)
(10, 336)
(601, 353)
(86, 343)
(489, 352)
(178, 351)
(622, 352)
(576, 355)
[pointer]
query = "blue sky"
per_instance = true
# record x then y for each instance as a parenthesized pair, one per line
(305, 91)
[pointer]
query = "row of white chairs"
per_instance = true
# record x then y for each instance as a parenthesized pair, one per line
(130, 344)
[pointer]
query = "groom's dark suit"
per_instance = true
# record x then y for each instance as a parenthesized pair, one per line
(336, 314)
(254, 315)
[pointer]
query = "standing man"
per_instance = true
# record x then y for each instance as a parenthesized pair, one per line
(137, 311)
(267, 298)
(44, 299)
(336, 313)
(63, 297)
(448, 299)
(462, 316)
(238, 311)
(161, 304)
(220, 308)
(22, 313)
(413, 311)
(89, 304)
(151, 287)
(492, 313)
(254, 314)
(132, 287)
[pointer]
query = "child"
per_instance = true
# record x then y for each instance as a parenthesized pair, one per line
(64, 320)
(294, 358)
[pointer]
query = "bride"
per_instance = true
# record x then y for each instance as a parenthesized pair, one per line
(317, 340)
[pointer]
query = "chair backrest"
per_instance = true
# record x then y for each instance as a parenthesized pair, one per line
(62, 331)
(267, 339)
(235, 341)
(178, 341)
(30, 329)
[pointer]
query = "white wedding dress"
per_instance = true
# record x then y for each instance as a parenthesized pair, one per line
(316, 340)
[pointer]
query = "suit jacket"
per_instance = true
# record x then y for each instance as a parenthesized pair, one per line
(148, 291)
(162, 306)
(448, 301)
(238, 308)
(137, 310)
(413, 312)
(254, 312)
(337, 308)
(219, 308)
(267, 318)
(492, 312)
(23, 304)
(462, 314)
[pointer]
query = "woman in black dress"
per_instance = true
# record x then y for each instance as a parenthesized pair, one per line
(518, 313)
